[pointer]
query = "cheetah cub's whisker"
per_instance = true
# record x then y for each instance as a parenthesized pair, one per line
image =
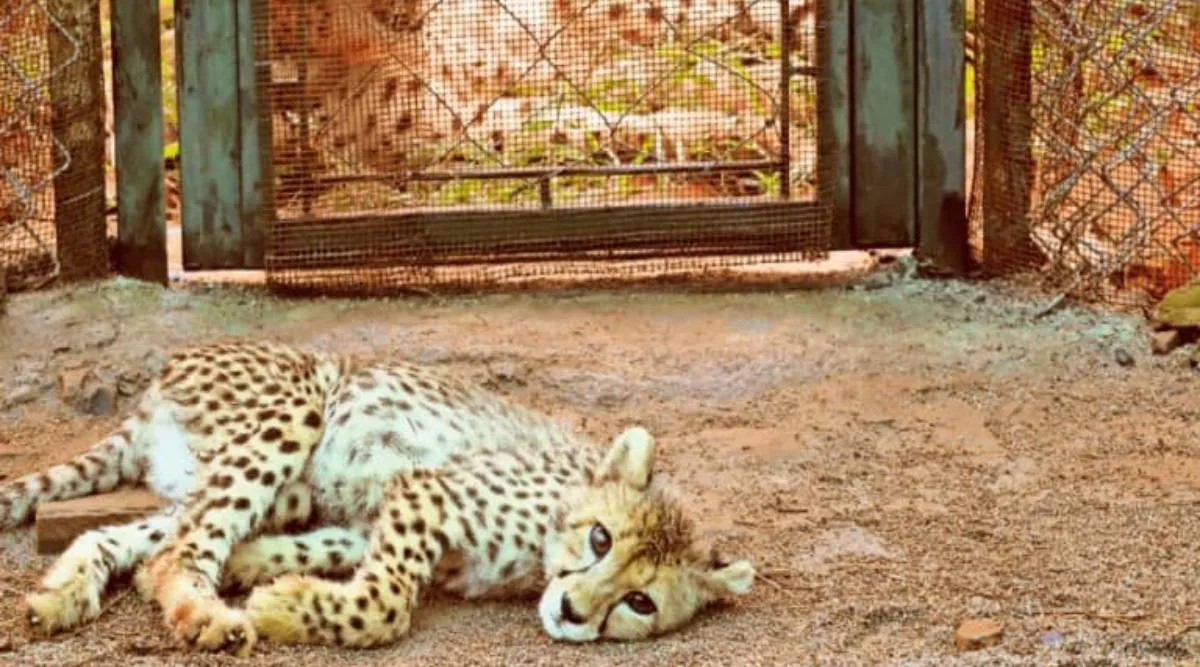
(289, 467)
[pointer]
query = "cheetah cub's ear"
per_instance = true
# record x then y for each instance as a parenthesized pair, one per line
(630, 460)
(722, 578)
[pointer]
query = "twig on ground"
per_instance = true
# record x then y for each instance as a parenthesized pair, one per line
(1193, 627)
(1054, 305)
(782, 508)
(769, 576)
(1132, 617)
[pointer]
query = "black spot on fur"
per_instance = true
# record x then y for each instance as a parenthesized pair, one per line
(312, 419)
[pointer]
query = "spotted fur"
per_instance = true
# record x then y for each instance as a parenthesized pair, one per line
(335, 490)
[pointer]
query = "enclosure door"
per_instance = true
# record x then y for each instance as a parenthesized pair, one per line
(287, 143)
(894, 114)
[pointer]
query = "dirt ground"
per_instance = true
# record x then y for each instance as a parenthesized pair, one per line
(893, 460)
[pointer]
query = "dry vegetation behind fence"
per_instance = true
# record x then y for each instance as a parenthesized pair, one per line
(1087, 140)
(52, 197)
(455, 102)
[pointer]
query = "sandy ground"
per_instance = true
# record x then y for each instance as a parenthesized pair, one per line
(894, 460)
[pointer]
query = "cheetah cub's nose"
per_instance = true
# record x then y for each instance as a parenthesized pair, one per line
(568, 612)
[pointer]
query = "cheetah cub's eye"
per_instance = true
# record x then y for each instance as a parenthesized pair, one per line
(600, 540)
(640, 603)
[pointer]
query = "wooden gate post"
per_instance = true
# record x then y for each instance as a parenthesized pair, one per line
(138, 121)
(893, 133)
(219, 137)
(941, 135)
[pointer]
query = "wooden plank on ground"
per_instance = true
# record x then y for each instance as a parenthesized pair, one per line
(138, 119)
(58, 523)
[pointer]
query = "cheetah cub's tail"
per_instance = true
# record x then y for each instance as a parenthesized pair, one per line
(107, 464)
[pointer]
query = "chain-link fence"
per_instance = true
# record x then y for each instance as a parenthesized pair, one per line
(429, 140)
(1087, 154)
(52, 106)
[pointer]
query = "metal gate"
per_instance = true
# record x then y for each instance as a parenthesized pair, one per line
(360, 143)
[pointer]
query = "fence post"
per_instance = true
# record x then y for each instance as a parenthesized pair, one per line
(883, 122)
(138, 127)
(835, 141)
(216, 224)
(77, 102)
(941, 135)
(1007, 166)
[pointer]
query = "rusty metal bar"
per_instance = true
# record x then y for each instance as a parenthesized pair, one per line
(547, 173)
(483, 236)
(306, 195)
(785, 99)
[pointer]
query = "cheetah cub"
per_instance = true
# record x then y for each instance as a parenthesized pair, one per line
(334, 489)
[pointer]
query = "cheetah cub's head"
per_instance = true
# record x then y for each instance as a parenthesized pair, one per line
(621, 559)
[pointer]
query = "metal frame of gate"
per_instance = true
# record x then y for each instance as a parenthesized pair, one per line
(891, 133)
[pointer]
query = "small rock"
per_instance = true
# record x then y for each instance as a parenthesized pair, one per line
(877, 280)
(507, 372)
(1053, 639)
(1166, 341)
(83, 389)
(71, 381)
(128, 383)
(1123, 358)
(22, 395)
(154, 361)
(101, 401)
(100, 334)
(978, 633)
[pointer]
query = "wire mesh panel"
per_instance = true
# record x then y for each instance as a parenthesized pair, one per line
(1086, 143)
(467, 140)
(52, 190)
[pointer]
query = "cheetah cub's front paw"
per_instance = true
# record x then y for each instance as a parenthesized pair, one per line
(62, 606)
(216, 628)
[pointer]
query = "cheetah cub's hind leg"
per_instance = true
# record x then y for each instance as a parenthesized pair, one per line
(292, 510)
(239, 489)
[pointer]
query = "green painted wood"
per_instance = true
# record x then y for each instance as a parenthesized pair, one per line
(941, 130)
(252, 173)
(138, 118)
(210, 146)
(884, 123)
(834, 137)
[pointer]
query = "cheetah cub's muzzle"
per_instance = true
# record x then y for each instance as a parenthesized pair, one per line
(621, 559)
